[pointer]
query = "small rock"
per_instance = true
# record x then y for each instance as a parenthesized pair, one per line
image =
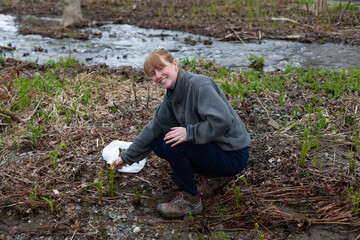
(136, 230)
(131, 209)
(219, 227)
(273, 123)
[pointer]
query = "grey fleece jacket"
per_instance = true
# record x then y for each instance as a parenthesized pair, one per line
(198, 104)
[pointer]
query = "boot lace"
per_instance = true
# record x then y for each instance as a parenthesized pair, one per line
(179, 198)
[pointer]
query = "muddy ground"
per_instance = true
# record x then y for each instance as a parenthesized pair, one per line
(288, 202)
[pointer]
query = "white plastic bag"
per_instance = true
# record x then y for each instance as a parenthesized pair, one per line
(111, 152)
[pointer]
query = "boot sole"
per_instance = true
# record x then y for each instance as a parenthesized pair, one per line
(178, 214)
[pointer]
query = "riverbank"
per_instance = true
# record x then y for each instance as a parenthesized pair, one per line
(225, 20)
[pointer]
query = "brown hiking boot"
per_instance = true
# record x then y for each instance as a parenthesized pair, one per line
(212, 185)
(180, 206)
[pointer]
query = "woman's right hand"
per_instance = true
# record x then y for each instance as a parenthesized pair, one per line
(119, 163)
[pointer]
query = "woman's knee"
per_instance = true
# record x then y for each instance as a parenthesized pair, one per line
(158, 146)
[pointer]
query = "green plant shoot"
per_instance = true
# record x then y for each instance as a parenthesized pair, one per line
(53, 155)
(51, 203)
(99, 186)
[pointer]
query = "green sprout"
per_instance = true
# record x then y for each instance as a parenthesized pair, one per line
(99, 186)
(222, 211)
(53, 155)
(261, 236)
(304, 148)
(33, 197)
(256, 62)
(51, 203)
(238, 196)
(356, 201)
(243, 178)
(139, 197)
(191, 217)
(111, 173)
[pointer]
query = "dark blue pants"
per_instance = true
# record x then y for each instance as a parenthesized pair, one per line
(205, 159)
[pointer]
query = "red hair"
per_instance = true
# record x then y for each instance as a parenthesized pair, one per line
(154, 60)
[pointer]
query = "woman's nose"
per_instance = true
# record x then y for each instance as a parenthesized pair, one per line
(157, 74)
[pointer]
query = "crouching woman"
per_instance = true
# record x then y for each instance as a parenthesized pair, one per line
(195, 129)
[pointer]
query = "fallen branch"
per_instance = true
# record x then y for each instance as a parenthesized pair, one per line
(284, 19)
(11, 205)
(7, 48)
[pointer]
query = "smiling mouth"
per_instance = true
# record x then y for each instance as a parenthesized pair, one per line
(162, 81)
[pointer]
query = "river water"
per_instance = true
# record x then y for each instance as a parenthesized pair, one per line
(128, 45)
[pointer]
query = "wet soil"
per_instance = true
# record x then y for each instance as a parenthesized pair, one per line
(287, 201)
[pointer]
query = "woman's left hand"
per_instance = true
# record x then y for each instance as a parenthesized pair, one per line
(176, 136)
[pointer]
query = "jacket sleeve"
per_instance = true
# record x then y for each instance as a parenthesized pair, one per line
(214, 113)
(141, 146)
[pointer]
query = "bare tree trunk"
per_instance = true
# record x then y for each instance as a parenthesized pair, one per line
(319, 6)
(72, 12)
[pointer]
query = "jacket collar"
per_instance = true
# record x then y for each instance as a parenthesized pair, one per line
(177, 94)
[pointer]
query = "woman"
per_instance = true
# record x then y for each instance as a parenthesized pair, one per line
(195, 129)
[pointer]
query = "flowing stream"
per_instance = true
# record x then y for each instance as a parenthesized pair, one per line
(128, 45)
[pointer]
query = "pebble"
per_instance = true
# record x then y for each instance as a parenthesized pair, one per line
(136, 230)
(131, 209)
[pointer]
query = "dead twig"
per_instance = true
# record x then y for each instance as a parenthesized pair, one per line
(284, 19)
(342, 13)
(11, 205)
(241, 40)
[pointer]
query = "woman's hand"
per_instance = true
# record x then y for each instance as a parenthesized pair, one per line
(119, 163)
(176, 136)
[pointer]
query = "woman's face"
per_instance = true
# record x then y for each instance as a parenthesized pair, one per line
(165, 77)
